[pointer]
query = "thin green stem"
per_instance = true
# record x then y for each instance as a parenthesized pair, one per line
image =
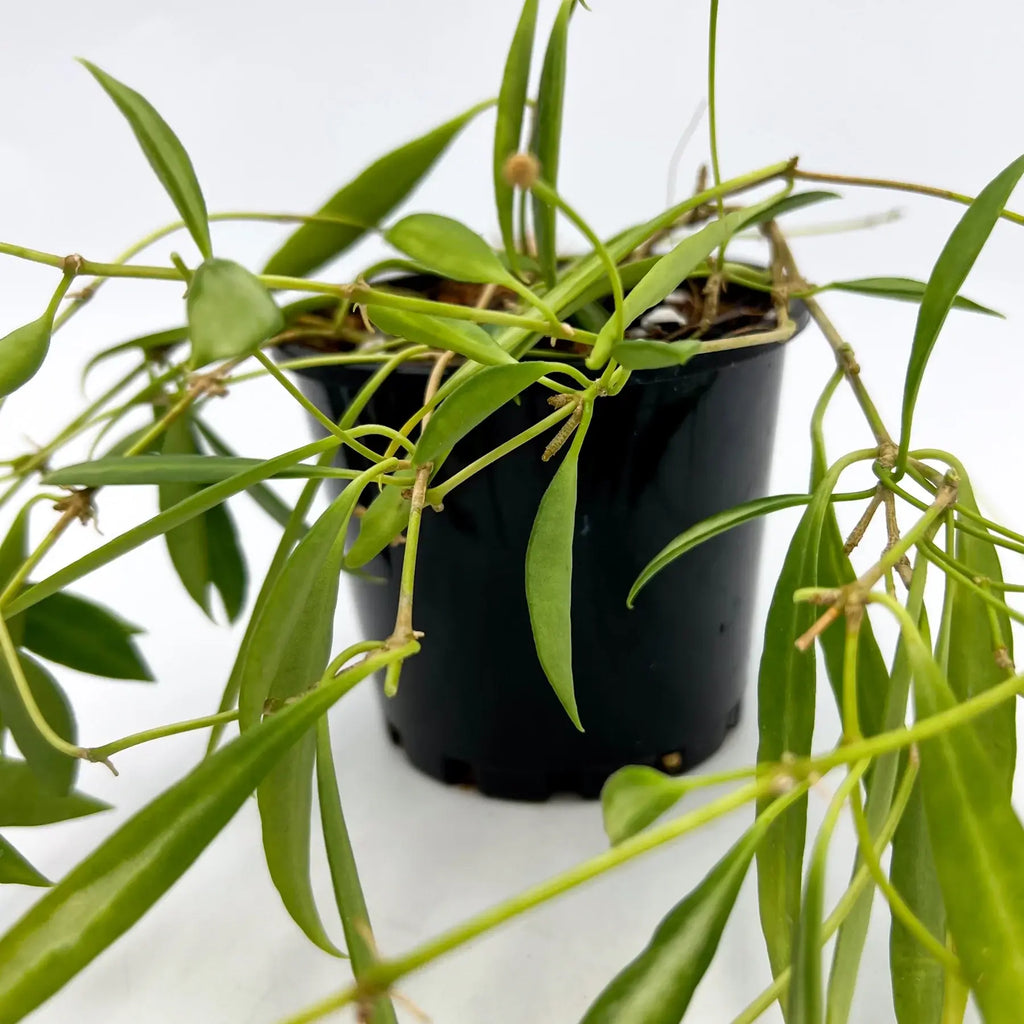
(851, 715)
(436, 495)
(18, 579)
(898, 186)
(10, 655)
(104, 752)
(547, 194)
(716, 170)
(339, 359)
(362, 647)
(847, 902)
(898, 906)
(962, 575)
(387, 972)
(348, 892)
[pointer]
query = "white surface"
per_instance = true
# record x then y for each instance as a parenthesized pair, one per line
(278, 104)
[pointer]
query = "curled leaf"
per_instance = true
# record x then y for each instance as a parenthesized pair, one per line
(643, 354)
(636, 796)
(230, 313)
(22, 352)
(385, 518)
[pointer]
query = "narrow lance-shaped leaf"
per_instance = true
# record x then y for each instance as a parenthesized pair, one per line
(286, 654)
(25, 801)
(228, 573)
(165, 154)
(785, 705)
(366, 200)
(55, 770)
(230, 313)
(949, 273)
(471, 403)
(972, 667)
(14, 547)
(656, 988)
(978, 846)
(712, 527)
(118, 882)
(16, 870)
(385, 518)
(188, 467)
(918, 978)
(160, 524)
(546, 140)
(508, 129)
(904, 289)
(462, 337)
(549, 574)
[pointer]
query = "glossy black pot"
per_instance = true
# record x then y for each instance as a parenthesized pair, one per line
(660, 685)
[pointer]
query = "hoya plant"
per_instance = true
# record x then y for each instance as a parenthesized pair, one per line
(925, 762)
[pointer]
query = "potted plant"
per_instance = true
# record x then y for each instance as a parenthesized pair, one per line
(433, 377)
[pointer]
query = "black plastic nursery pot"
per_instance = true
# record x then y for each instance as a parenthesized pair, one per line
(659, 685)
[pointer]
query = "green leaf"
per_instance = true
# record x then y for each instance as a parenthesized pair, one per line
(949, 273)
(187, 544)
(904, 289)
(226, 562)
(636, 796)
(160, 524)
(677, 264)
(508, 129)
(230, 313)
(471, 403)
(55, 770)
(785, 704)
(656, 988)
(918, 979)
(25, 801)
(643, 354)
(546, 138)
(14, 548)
(15, 870)
(712, 527)
(806, 1001)
(461, 336)
(366, 200)
(384, 519)
(448, 248)
(147, 344)
(85, 636)
(168, 468)
(22, 352)
(549, 574)
(978, 846)
(972, 668)
(286, 655)
(118, 882)
(776, 207)
(165, 154)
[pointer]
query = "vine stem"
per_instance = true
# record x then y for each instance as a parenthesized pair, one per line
(716, 169)
(104, 752)
(387, 972)
(898, 186)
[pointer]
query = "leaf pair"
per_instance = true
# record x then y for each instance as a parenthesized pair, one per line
(118, 882)
(205, 550)
(230, 314)
(286, 654)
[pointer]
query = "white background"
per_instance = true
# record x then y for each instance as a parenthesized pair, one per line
(278, 105)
